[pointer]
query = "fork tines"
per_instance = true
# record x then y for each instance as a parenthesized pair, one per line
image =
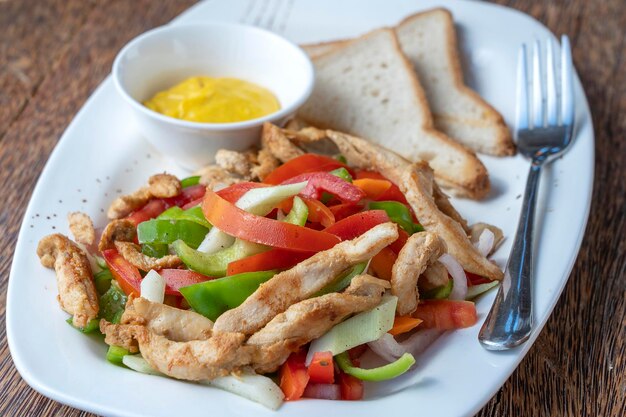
(548, 91)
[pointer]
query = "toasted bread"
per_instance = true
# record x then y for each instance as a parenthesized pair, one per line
(368, 88)
(429, 41)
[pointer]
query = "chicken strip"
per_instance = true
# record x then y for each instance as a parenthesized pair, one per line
(421, 249)
(120, 335)
(118, 230)
(477, 229)
(435, 275)
(132, 253)
(416, 184)
(159, 185)
(82, 228)
(310, 319)
(303, 280)
(175, 324)
(265, 164)
(277, 142)
(239, 163)
(216, 177)
(77, 291)
(430, 205)
(194, 360)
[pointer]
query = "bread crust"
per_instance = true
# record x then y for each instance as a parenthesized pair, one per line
(502, 145)
(473, 181)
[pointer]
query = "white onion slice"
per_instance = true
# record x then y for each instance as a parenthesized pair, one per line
(387, 348)
(485, 242)
(420, 340)
(459, 289)
(153, 287)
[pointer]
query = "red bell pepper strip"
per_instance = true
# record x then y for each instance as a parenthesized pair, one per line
(265, 261)
(322, 369)
(351, 387)
(399, 243)
(318, 182)
(157, 206)
(357, 224)
(382, 263)
(177, 278)
(127, 276)
(305, 163)
(239, 223)
(446, 314)
(152, 209)
(341, 211)
(294, 376)
(473, 279)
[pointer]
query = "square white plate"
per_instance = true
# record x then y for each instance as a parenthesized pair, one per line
(101, 155)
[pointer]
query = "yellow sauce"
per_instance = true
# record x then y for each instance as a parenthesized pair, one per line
(214, 100)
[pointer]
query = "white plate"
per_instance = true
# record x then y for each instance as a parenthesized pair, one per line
(101, 154)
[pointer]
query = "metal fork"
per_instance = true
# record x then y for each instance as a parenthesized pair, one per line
(542, 135)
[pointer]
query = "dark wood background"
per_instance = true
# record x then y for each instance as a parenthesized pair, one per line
(54, 53)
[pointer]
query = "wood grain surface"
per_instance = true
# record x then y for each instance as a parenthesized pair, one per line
(54, 53)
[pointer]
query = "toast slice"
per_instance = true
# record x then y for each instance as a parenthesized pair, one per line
(429, 41)
(368, 88)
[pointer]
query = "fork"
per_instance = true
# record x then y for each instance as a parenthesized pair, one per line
(542, 134)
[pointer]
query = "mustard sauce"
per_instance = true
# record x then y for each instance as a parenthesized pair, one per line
(214, 100)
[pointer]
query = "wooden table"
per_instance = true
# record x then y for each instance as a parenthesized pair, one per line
(54, 53)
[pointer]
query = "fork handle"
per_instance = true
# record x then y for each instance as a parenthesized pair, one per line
(510, 320)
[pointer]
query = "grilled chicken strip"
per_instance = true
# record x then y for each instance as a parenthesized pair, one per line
(416, 184)
(310, 319)
(420, 250)
(303, 280)
(194, 360)
(431, 206)
(77, 291)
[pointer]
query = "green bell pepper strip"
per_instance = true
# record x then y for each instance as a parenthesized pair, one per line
(342, 173)
(169, 231)
(215, 264)
(382, 373)
(343, 280)
(155, 250)
(116, 354)
(92, 326)
(102, 280)
(212, 298)
(193, 214)
(438, 293)
(398, 213)
(112, 303)
(190, 181)
(299, 212)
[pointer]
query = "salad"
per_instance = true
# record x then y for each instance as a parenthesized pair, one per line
(272, 273)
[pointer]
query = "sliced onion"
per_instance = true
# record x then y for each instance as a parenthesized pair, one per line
(153, 287)
(420, 340)
(459, 289)
(323, 391)
(485, 242)
(387, 348)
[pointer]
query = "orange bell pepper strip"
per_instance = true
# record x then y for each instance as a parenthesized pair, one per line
(382, 263)
(373, 188)
(404, 324)
(239, 223)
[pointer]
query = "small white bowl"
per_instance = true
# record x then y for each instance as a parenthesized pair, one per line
(162, 57)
